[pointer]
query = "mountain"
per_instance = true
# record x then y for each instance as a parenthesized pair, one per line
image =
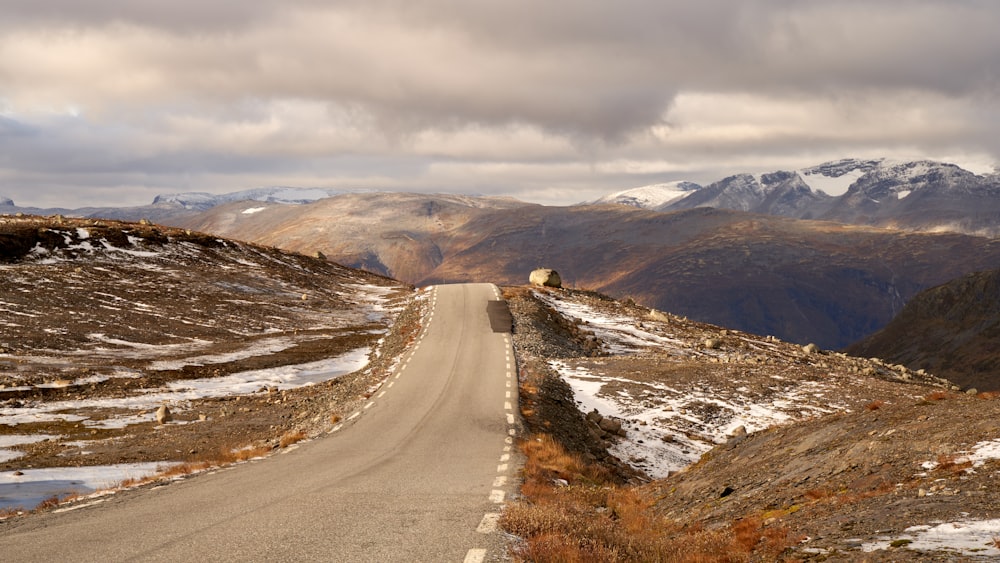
(401, 235)
(952, 330)
(649, 197)
(779, 193)
(922, 196)
(201, 201)
(170, 208)
(917, 196)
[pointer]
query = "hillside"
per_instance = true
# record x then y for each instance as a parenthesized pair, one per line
(105, 322)
(746, 448)
(952, 329)
(404, 236)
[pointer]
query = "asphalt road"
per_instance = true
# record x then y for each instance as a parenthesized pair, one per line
(418, 474)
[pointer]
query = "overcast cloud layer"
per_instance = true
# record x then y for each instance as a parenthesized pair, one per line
(111, 102)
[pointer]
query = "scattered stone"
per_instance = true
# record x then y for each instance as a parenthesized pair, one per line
(713, 343)
(972, 391)
(655, 315)
(810, 348)
(163, 415)
(610, 425)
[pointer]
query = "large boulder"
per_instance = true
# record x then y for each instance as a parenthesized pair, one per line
(545, 277)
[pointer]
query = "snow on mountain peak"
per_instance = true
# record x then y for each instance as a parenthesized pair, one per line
(652, 196)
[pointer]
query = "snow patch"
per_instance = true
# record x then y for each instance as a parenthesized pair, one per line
(33, 486)
(963, 537)
(253, 210)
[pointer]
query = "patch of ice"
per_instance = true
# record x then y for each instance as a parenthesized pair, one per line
(33, 486)
(964, 537)
(253, 210)
(18, 440)
(178, 393)
(903, 193)
(82, 233)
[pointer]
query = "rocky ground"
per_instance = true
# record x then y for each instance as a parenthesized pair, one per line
(105, 322)
(854, 458)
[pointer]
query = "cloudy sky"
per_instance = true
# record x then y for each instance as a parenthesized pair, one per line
(110, 102)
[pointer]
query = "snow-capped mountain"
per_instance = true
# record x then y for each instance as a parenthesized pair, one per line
(777, 193)
(919, 195)
(202, 200)
(650, 197)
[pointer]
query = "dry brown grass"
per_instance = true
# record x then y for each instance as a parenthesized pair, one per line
(591, 519)
(875, 405)
(292, 437)
(938, 396)
(11, 512)
(949, 462)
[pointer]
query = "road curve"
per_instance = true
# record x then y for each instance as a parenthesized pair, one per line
(417, 474)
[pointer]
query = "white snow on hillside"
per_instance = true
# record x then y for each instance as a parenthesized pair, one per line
(650, 197)
(670, 428)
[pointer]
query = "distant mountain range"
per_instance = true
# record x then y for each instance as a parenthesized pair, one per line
(752, 263)
(919, 196)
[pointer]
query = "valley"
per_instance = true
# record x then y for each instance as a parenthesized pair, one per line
(253, 349)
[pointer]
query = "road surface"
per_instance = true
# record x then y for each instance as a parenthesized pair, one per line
(418, 474)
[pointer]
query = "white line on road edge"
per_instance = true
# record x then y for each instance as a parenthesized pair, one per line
(355, 415)
(380, 395)
(489, 523)
(507, 406)
(475, 556)
(500, 481)
(335, 428)
(505, 457)
(370, 405)
(496, 496)
(510, 418)
(502, 468)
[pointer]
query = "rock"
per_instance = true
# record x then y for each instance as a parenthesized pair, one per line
(972, 391)
(655, 315)
(713, 343)
(545, 277)
(163, 415)
(610, 425)
(810, 348)
(594, 416)
(320, 255)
